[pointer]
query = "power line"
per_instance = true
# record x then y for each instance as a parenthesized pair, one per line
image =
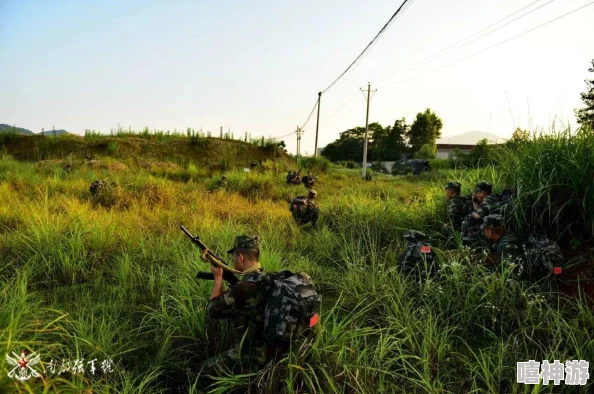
(283, 136)
(495, 45)
(464, 42)
(310, 114)
(368, 45)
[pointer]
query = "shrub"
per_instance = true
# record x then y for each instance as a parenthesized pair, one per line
(314, 164)
(426, 152)
(553, 177)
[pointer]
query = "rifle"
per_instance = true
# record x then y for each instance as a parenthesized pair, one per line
(228, 272)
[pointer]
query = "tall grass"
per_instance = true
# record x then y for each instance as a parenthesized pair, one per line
(553, 176)
(89, 280)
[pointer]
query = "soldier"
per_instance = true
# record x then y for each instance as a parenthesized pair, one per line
(245, 299)
(458, 206)
(289, 177)
(538, 256)
(483, 203)
(222, 182)
(308, 180)
(305, 209)
(248, 299)
(296, 178)
(100, 186)
(504, 245)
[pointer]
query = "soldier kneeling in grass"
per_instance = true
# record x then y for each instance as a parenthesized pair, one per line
(458, 207)
(279, 311)
(305, 209)
(537, 256)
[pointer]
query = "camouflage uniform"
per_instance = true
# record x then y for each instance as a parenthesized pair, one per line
(311, 213)
(222, 183)
(489, 206)
(245, 300)
(509, 247)
(458, 207)
(538, 256)
(470, 225)
(100, 186)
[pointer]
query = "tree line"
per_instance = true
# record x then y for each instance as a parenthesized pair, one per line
(389, 143)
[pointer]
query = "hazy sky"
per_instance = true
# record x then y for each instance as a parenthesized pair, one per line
(258, 65)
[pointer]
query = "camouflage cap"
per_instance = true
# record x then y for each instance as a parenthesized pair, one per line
(312, 192)
(414, 235)
(246, 242)
(493, 221)
(454, 185)
(484, 187)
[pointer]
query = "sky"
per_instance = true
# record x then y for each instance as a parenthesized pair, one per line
(257, 66)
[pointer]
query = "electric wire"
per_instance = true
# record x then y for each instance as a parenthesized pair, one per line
(495, 45)
(464, 42)
(368, 45)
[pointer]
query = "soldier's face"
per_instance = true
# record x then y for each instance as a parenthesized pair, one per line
(238, 261)
(450, 193)
(489, 234)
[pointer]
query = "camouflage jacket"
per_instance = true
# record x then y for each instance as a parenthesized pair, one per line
(247, 299)
(509, 247)
(488, 206)
(458, 208)
(310, 214)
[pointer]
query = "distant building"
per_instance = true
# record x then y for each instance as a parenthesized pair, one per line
(444, 150)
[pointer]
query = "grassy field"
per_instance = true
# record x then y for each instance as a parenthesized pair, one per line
(113, 278)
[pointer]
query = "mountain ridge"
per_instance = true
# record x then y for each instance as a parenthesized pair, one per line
(6, 128)
(471, 138)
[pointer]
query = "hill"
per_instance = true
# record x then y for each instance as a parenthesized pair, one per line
(57, 132)
(6, 128)
(212, 153)
(471, 138)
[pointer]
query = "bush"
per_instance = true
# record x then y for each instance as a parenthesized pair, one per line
(553, 178)
(426, 152)
(441, 164)
(314, 164)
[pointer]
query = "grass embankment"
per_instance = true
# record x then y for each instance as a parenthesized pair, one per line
(114, 278)
(133, 150)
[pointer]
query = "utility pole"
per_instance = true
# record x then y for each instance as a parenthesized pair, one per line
(318, 124)
(299, 132)
(368, 97)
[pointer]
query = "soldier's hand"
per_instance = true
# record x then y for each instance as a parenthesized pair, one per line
(476, 215)
(216, 271)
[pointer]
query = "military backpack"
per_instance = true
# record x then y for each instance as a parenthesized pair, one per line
(292, 306)
(418, 259)
(543, 257)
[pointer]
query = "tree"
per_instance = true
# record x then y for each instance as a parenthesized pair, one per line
(427, 151)
(585, 116)
(395, 144)
(481, 154)
(520, 135)
(426, 129)
(348, 147)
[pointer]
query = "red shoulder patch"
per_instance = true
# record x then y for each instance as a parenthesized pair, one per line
(425, 249)
(557, 270)
(314, 320)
